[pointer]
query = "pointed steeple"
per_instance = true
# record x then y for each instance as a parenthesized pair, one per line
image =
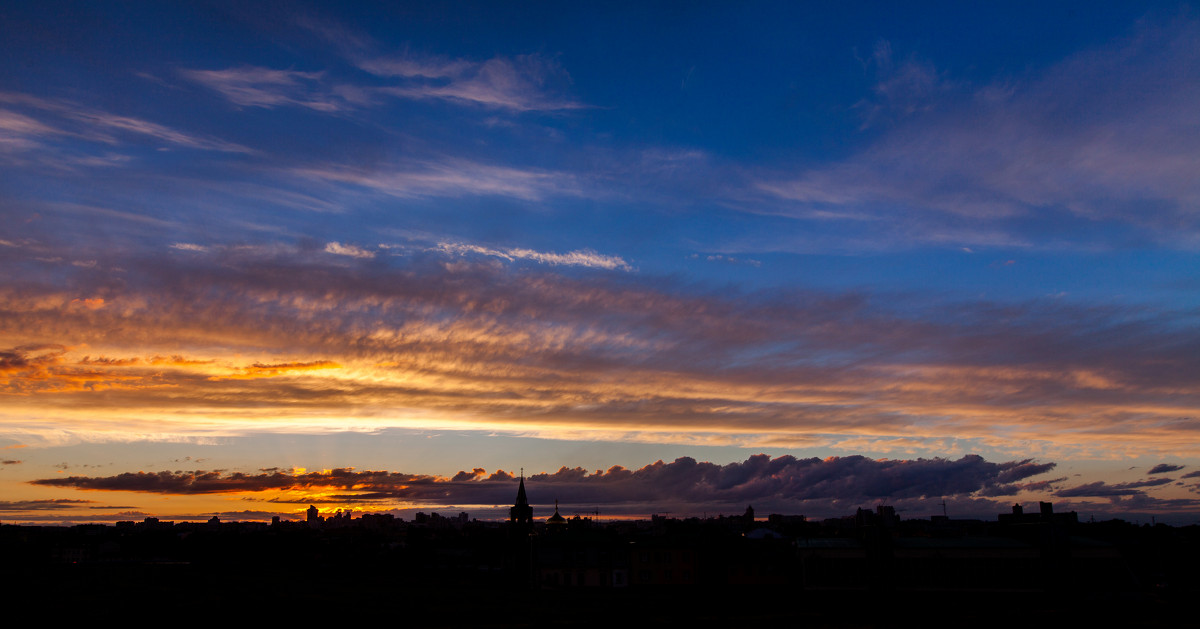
(521, 513)
(521, 499)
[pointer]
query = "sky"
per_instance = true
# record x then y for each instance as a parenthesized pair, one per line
(658, 257)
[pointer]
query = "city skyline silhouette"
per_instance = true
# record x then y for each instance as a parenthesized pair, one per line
(655, 260)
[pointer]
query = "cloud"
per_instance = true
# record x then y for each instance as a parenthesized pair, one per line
(1013, 489)
(1126, 505)
(338, 248)
(586, 258)
(38, 369)
(475, 474)
(1103, 489)
(72, 120)
(41, 505)
(730, 259)
(91, 303)
(109, 362)
(259, 370)
(420, 341)
(253, 86)
(333, 32)
(412, 66)
(177, 360)
(902, 88)
(1165, 468)
(447, 178)
(522, 83)
(21, 133)
(780, 483)
(30, 359)
(1066, 151)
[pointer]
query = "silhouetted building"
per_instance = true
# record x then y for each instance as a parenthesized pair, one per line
(377, 520)
(314, 517)
(556, 519)
(521, 513)
(886, 515)
(1045, 514)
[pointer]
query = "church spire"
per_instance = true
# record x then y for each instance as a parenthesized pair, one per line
(521, 499)
(521, 513)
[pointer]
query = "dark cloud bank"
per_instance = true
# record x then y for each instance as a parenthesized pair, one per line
(684, 485)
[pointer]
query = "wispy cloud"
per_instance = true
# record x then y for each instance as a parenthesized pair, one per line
(408, 65)
(518, 84)
(20, 132)
(585, 257)
(717, 257)
(1066, 146)
(521, 83)
(41, 505)
(903, 88)
(252, 86)
(260, 370)
(448, 178)
(70, 119)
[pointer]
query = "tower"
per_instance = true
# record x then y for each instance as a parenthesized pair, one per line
(521, 513)
(556, 519)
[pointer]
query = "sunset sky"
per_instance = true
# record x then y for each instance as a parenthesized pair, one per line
(665, 257)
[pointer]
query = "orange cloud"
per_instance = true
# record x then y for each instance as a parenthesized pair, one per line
(177, 360)
(109, 362)
(260, 370)
(477, 346)
(89, 303)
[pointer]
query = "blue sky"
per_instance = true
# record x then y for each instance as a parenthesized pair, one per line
(632, 232)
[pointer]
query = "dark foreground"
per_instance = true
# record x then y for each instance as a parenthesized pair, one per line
(670, 572)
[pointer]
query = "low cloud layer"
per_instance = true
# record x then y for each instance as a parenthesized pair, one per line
(971, 485)
(56, 504)
(1103, 489)
(684, 484)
